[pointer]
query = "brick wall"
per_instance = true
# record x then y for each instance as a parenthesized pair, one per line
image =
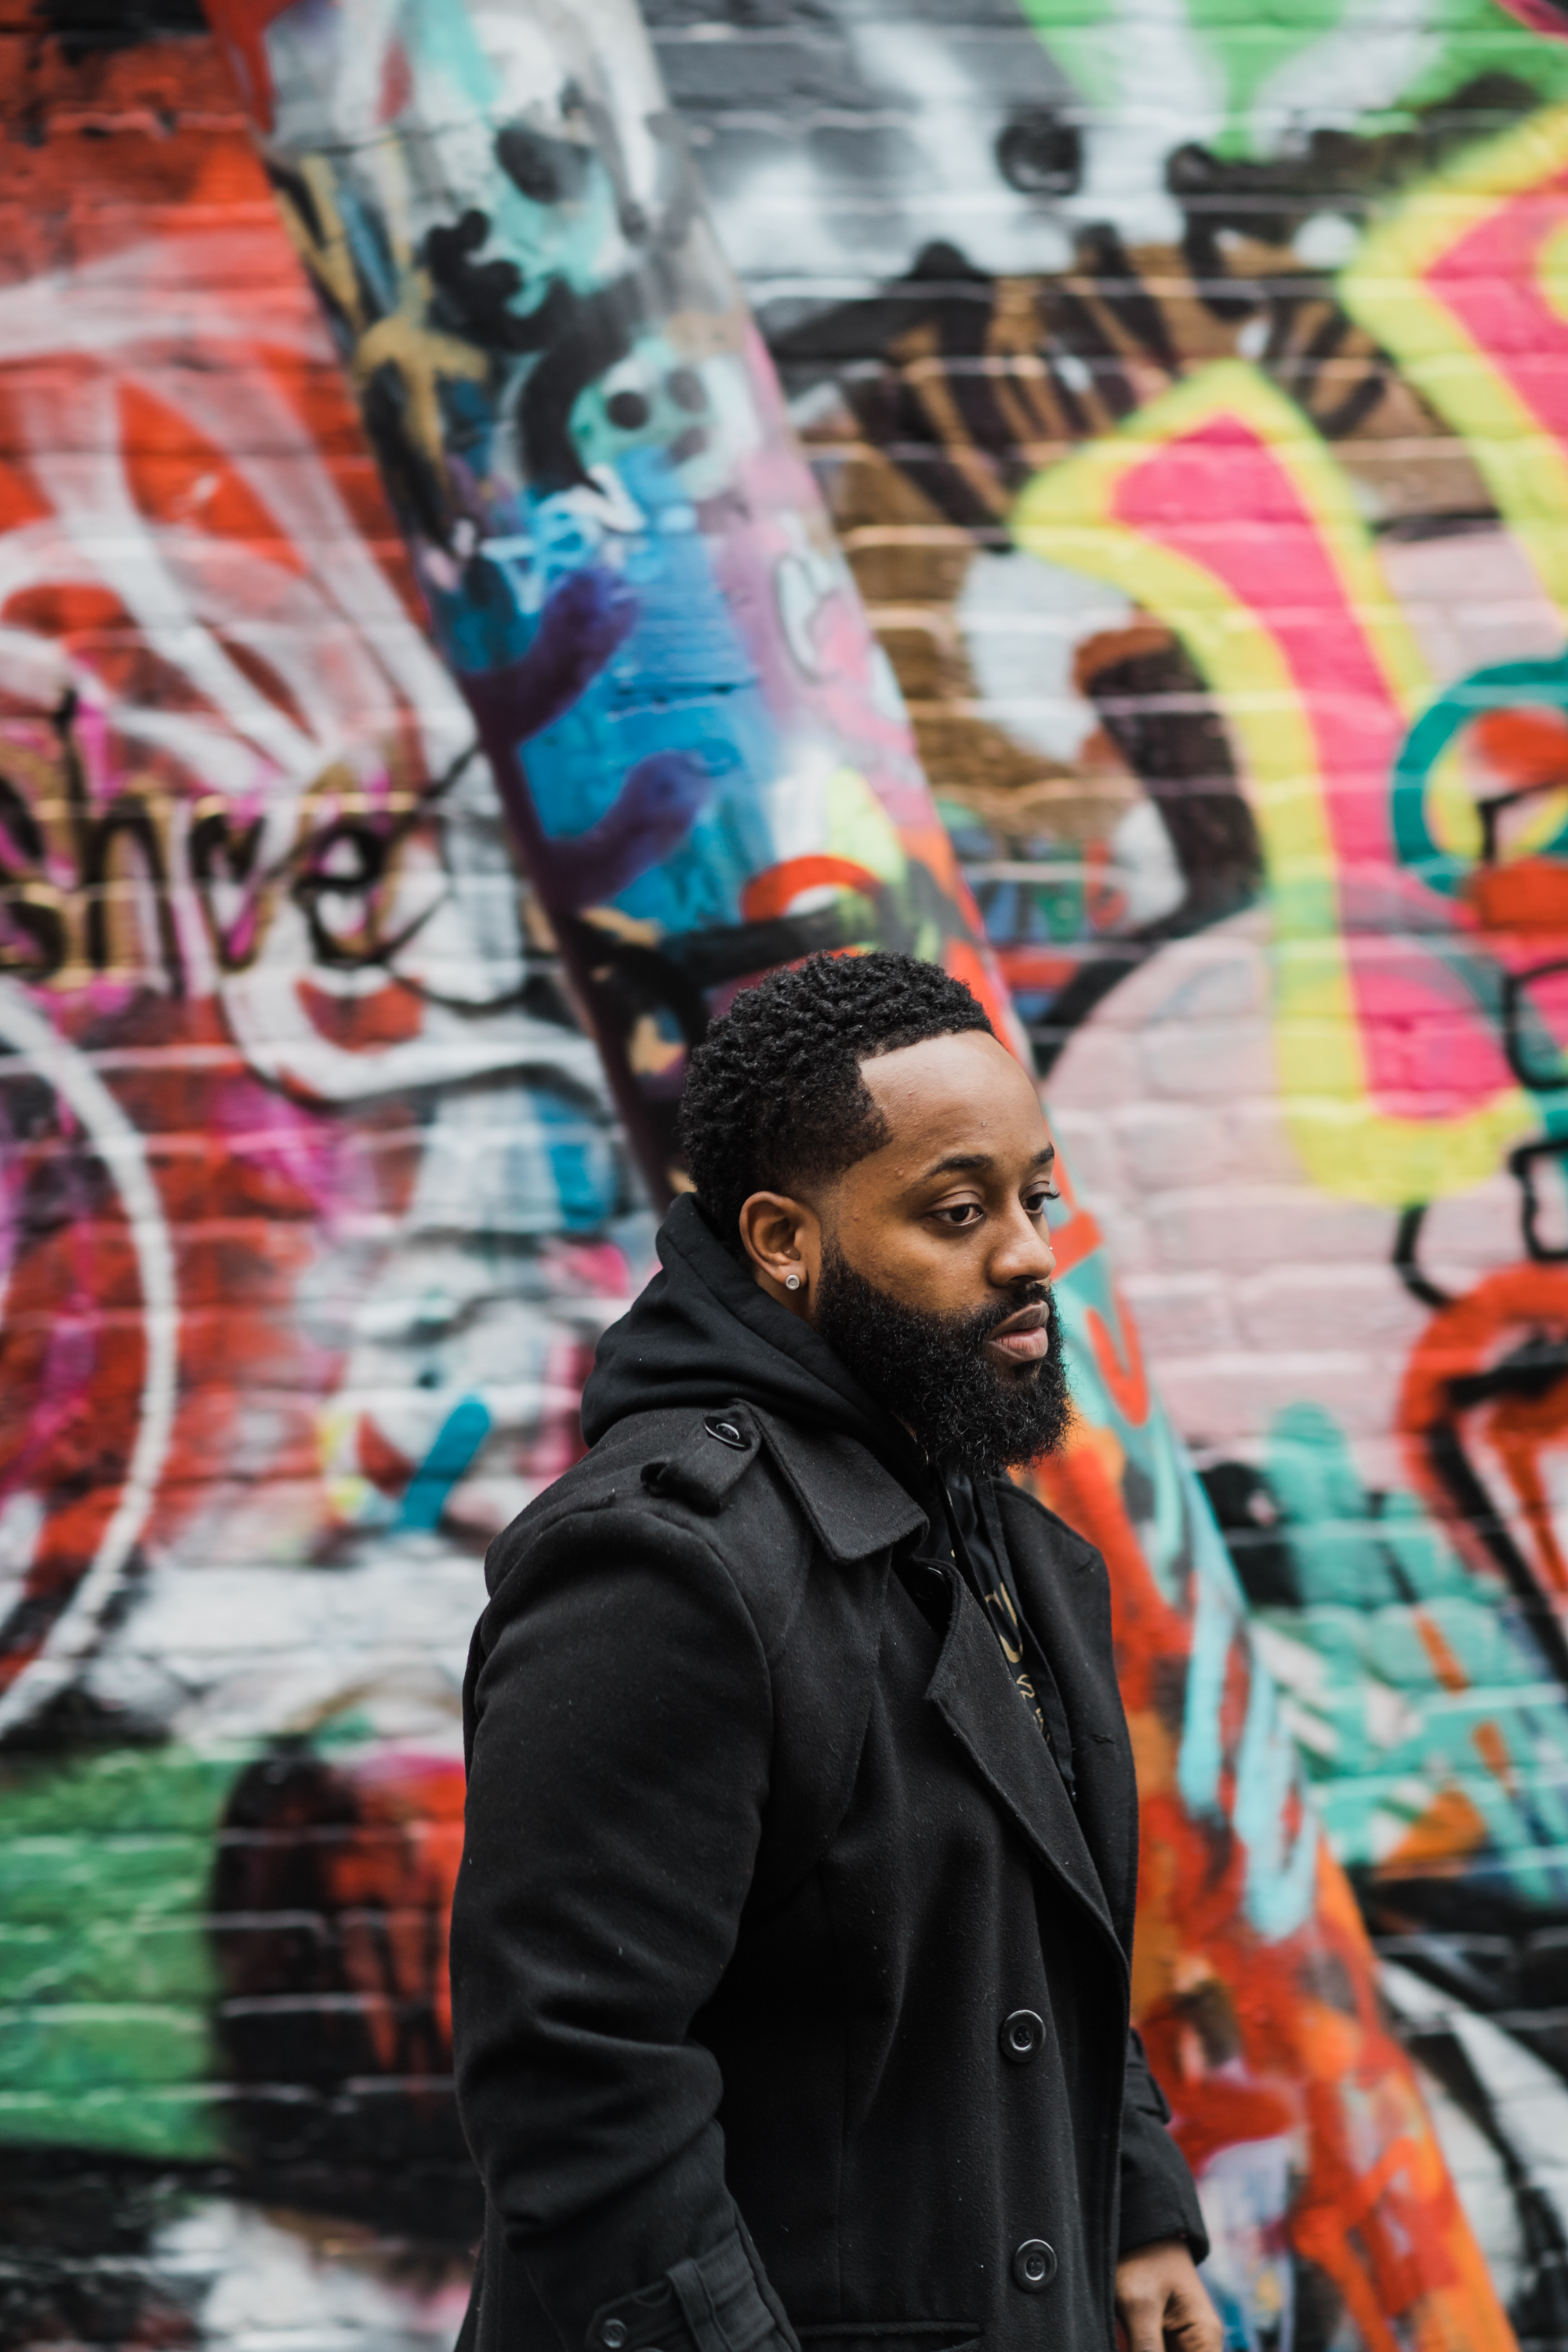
(1182, 395)
(313, 1209)
(1186, 391)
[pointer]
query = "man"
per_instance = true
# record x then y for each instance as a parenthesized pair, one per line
(789, 1950)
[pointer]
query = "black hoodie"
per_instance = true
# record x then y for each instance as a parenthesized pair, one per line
(704, 1334)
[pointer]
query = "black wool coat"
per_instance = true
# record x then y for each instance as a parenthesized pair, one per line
(790, 1988)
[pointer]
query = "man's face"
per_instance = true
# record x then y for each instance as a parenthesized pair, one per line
(926, 1265)
(949, 1216)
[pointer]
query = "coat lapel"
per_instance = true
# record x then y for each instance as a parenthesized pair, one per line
(855, 1509)
(976, 1696)
(1065, 1593)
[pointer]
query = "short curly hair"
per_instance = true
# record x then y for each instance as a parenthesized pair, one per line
(774, 1098)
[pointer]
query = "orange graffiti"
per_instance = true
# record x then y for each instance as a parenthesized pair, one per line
(771, 893)
(1120, 1361)
(1253, 2039)
(1458, 1380)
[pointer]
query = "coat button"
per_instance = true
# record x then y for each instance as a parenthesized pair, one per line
(1034, 2265)
(613, 2333)
(1023, 2036)
(726, 1433)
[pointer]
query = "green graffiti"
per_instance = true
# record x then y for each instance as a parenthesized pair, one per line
(1251, 83)
(1413, 1694)
(107, 1979)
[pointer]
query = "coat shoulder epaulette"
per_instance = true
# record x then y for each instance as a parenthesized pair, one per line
(708, 1461)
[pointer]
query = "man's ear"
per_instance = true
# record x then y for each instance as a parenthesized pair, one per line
(783, 1240)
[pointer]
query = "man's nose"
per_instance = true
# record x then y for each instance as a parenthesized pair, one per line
(1024, 1252)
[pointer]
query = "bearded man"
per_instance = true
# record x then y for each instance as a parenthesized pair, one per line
(790, 1945)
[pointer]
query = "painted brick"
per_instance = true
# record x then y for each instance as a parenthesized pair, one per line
(837, 145)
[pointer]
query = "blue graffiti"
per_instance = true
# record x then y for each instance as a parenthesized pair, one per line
(457, 1442)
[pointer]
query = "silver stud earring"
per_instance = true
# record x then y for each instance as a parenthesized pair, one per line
(792, 1282)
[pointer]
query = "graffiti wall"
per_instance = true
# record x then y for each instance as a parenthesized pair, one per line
(430, 682)
(1187, 392)
(314, 1205)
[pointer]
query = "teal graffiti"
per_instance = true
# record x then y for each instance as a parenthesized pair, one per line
(1508, 686)
(1183, 1544)
(457, 1440)
(1403, 1681)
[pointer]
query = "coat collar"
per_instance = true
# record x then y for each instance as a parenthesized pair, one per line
(854, 1506)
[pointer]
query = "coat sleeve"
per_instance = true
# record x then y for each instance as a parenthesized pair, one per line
(619, 1720)
(1159, 2199)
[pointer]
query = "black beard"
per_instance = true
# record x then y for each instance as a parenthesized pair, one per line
(931, 1372)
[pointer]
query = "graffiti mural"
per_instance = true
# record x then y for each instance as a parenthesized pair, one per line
(1187, 395)
(704, 760)
(415, 727)
(700, 749)
(314, 1204)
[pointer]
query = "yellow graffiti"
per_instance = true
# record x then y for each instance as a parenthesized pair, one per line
(402, 339)
(1067, 515)
(1387, 288)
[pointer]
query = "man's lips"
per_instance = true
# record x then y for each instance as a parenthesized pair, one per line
(1023, 1339)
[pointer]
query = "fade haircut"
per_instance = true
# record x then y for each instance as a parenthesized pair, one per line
(774, 1098)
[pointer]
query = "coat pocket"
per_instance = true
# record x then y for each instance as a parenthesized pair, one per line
(710, 2304)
